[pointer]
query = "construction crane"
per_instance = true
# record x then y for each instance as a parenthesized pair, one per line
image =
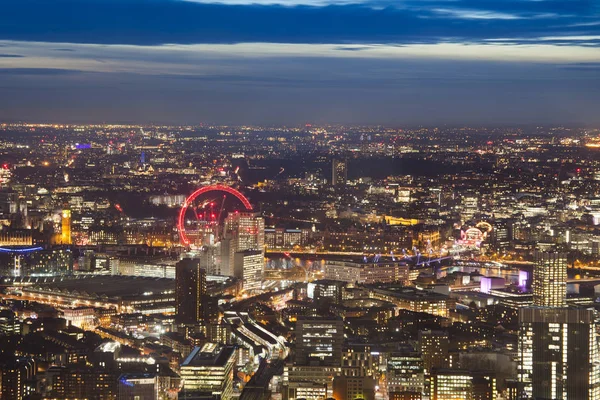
(220, 214)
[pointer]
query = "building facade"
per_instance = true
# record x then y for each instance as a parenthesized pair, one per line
(189, 291)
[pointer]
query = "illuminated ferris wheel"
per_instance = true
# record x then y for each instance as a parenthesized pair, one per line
(204, 211)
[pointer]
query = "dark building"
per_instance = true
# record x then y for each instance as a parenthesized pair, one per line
(190, 291)
(558, 351)
(501, 235)
(405, 375)
(405, 396)
(78, 382)
(9, 323)
(210, 309)
(434, 348)
(339, 173)
(138, 386)
(558, 346)
(328, 290)
(15, 374)
(319, 341)
(354, 387)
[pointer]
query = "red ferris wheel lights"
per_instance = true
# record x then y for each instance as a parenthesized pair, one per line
(206, 189)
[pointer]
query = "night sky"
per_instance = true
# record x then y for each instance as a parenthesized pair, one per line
(429, 62)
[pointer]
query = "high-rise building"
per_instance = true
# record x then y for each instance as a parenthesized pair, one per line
(9, 323)
(326, 290)
(242, 231)
(434, 348)
(190, 291)
(208, 371)
(248, 265)
(501, 234)
(550, 279)
(339, 173)
(14, 376)
(558, 346)
(210, 258)
(405, 374)
(319, 341)
(558, 353)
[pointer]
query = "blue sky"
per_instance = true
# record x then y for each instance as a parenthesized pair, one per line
(267, 61)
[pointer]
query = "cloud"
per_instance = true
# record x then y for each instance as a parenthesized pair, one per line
(352, 48)
(36, 71)
(254, 61)
(11, 56)
(477, 14)
(284, 3)
(349, 90)
(152, 22)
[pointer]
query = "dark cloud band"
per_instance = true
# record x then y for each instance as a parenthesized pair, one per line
(151, 22)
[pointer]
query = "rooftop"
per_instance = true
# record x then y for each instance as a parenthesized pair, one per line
(110, 286)
(209, 355)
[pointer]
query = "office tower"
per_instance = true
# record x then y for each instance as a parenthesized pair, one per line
(248, 265)
(9, 323)
(450, 384)
(558, 353)
(210, 309)
(190, 289)
(242, 231)
(210, 258)
(434, 348)
(550, 279)
(105, 263)
(326, 290)
(14, 376)
(558, 346)
(65, 235)
(339, 173)
(501, 234)
(208, 371)
(247, 230)
(405, 375)
(319, 341)
(469, 205)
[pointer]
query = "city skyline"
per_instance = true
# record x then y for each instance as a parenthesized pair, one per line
(326, 61)
(300, 199)
(308, 262)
